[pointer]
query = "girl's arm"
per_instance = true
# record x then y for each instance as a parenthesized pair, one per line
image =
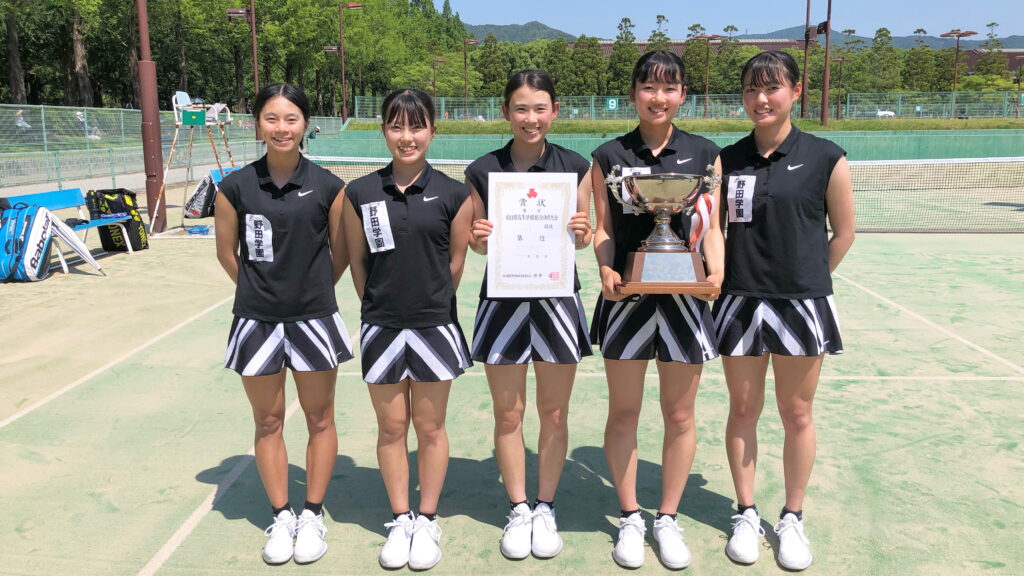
(339, 250)
(839, 204)
(604, 238)
(458, 238)
(714, 242)
(579, 224)
(357, 251)
(482, 227)
(225, 224)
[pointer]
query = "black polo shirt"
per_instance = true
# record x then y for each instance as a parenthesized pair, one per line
(776, 237)
(555, 159)
(285, 272)
(410, 284)
(685, 153)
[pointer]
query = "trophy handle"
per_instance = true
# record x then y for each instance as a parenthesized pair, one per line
(614, 182)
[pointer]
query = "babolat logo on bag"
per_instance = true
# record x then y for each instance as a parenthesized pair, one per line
(26, 233)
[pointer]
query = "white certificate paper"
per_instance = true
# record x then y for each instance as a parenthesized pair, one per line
(531, 253)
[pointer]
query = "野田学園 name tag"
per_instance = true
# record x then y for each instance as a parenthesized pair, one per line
(741, 198)
(377, 227)
(259, 238)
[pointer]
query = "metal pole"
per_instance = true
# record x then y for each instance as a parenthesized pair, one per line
(828, 69)
(255, 58)
(707, 74)
(151, 153)
(341, 55)
(807, 40)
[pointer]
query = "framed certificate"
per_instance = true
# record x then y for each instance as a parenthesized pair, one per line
(531, 253)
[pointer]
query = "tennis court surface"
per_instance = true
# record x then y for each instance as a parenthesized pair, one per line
(125, 447)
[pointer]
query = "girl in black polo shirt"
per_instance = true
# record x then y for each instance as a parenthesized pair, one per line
(279, 239)
(407, 227)
(510, 332)
(674, 328)
(780, 186)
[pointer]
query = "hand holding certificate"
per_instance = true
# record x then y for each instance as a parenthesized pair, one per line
(531, 252)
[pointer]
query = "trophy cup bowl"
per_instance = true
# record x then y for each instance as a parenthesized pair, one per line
(664, 264)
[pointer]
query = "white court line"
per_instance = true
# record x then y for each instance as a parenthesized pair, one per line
(107, 366)
(942, 329)
(183, 531)
(855, 377)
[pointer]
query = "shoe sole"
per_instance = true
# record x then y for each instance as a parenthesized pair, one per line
(419, 568)
(276, 562)
(795, 568)
(309, 560)
(626, 565)
(514, 557)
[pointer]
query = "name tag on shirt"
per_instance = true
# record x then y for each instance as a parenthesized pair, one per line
(623, 193)
(377, 227)
(259, 237)
(741, 198)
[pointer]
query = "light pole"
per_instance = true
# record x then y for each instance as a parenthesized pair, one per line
(433, 85)
(1016, 81)
(250, 16)
(839, 93)
(828, 69)
(707, 67)
(808, 34)
(465, 75)
(340, 49)
(958, 34)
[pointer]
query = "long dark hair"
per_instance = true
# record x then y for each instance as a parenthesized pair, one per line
(539, 80)
(412, 105)
(771, 67)
(659, 66)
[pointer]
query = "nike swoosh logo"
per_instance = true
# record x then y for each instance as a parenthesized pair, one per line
(306, 192)
(429, 199)
(791, 167)
(683, 161)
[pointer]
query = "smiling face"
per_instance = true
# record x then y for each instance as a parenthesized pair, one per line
(282, 125)
(657, 102)
(770, 104)
(408, 140)
(530, 113)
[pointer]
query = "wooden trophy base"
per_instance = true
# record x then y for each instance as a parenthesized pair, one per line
(674, 272)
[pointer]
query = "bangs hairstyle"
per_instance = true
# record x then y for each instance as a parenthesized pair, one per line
(413, 107)
(284, 90)
(539, 80)
(770, 68)
(659, 66)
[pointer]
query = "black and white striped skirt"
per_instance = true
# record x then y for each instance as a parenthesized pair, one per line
(257, 348)
(520, 331)
(747, 326)
(390, 355)
(671, 327)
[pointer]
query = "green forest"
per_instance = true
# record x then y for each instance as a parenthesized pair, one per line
(85, 53)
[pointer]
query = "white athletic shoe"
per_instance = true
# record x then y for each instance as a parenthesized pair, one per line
(671, 547)
(515, 542)
(546, 541)
(794, 548)
(745, 543)
(280, 544)
(425, 551)
(629, 549)
(395, 552)
(310, 544)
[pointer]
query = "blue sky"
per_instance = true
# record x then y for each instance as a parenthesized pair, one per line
(600, 17)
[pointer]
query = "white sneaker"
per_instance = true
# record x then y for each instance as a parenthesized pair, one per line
(671, 547)
(425, 551)
(629, 549)
(395, 552)
(515, 542)
(794, 548)
(546, 541)
(280, 544)
(745, 544)
(310, 544)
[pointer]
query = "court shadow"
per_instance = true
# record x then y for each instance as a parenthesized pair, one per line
(699, 503)
(244, 497)
(1016, 206)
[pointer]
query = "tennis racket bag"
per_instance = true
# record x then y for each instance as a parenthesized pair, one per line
(117, 201)
(200, 204)
(26, 239)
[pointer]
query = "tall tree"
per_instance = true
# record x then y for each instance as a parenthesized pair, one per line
(15, 72)
(994, 62)
(491, 66)
(919, 72)
(622, 58)
(885, 67)
(659, 39)
(590, 67)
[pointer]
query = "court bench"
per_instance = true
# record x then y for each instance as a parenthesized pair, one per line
(73, 198)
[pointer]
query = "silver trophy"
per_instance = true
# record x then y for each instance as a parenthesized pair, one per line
(665, 264)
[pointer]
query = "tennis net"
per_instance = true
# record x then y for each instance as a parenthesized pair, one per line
(973, 195)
